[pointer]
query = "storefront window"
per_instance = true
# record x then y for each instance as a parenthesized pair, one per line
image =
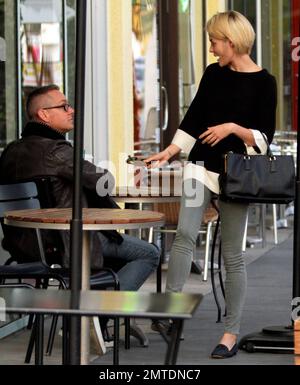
(276, 53)
(47, 56)
(37, 47)
(146, 75)
(247, 8)
(187, 86)
(41, 30)
(275, 49)
(70, 48)
(8, 99)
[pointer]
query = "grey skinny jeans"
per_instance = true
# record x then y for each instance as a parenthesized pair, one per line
(233, 221)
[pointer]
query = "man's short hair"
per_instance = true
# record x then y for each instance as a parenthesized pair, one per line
(235, 27)
(37, 92)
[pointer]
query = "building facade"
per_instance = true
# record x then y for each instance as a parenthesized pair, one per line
(144, 61)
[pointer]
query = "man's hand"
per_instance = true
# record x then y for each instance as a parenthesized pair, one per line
(213, 135)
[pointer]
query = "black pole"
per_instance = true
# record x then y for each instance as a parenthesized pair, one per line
(76, 223)
(281, 338)
(296, 264)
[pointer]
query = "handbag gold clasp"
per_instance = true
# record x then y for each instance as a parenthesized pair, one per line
(225, 163)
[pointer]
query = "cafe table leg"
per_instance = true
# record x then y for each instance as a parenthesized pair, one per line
(85, 324)
(39, 337)
(174, 342)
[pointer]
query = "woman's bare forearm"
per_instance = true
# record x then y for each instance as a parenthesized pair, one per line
(243, 133)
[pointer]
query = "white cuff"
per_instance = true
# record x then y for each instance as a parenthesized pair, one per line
(184, 141)
(260, 143)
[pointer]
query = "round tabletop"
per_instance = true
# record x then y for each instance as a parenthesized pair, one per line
(93, 219)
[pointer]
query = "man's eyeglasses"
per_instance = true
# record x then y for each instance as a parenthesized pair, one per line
(66, 107)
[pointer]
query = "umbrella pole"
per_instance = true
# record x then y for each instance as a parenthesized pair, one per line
(296, 265)
(281, 338)
(76, 223)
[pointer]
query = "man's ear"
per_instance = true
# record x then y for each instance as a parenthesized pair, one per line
(43, 115)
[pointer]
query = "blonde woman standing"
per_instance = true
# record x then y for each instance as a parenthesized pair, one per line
(235, 104)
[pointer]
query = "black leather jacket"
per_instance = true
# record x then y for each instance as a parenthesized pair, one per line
(44, 152)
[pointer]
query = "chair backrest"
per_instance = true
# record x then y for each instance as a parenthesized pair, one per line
(44, 189)
(19, 196)
(171, 211)
(34, 194)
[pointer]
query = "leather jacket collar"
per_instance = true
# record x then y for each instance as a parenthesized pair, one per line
(41, 129)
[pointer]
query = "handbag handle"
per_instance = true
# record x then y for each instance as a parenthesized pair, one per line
(269, 151)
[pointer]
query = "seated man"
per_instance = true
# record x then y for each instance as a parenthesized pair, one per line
(44, 151)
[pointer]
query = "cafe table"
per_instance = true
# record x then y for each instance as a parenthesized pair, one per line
(149, 195)
(93, 220)
(156, 306)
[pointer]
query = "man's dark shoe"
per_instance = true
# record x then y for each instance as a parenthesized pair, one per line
(222, 351)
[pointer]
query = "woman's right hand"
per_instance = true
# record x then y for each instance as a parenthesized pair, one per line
(162, 157)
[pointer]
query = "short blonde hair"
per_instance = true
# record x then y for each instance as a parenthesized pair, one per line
(235, 27)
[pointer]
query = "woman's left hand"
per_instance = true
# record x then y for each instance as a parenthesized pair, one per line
(213, 135)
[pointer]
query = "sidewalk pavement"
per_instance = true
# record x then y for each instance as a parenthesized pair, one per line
(268, 303)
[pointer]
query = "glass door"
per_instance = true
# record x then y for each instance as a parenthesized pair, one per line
(155, 63)
(146, 76)
(44, 26)
(8, 113)
(41, 40)
(8, 75)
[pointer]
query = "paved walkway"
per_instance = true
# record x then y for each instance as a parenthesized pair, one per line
(268, 303)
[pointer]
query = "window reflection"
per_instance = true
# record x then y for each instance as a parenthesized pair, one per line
(47, 45)
(275, 25)
(41, 43)
(187, 86)
(7, 73)
(145, 67)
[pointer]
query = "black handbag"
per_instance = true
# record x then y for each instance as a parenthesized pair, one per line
(258, 178)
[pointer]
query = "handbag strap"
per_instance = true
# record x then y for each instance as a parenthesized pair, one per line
(269, 151)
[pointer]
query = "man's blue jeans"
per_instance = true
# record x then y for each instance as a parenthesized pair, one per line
(141, 259)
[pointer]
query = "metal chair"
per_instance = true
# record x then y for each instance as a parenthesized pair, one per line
(259, 211)
(171, 211)
(22, 196)
(210, 227)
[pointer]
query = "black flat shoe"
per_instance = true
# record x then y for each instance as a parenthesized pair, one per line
(222, 351)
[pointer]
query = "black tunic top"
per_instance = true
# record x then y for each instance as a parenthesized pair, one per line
(224, 95)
